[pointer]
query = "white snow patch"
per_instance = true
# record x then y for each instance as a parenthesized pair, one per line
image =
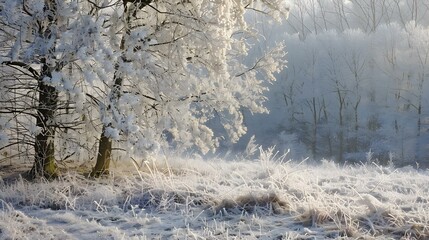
(173, 198)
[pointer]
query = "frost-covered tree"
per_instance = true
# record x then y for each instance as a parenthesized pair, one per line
(35, 26)
(47, 39)
(144, 74)
(180, 64)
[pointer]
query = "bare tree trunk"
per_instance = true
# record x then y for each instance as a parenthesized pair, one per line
(104, 155)
(341, 132)
(356, 127)
(44, 148)
(315, 121)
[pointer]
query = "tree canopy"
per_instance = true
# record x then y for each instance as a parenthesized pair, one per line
(145, 74)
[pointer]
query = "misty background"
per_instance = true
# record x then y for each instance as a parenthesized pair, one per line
(355, 87)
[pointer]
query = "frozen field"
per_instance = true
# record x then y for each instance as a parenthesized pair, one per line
(268, 198)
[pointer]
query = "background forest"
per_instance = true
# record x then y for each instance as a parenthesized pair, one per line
(356, 83)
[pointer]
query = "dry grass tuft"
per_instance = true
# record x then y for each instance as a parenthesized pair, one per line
(314, 218)
(250, 203)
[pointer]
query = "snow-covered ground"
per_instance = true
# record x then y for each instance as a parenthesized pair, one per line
(266, 198)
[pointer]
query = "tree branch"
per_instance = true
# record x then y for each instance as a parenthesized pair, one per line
(23, 65)
(101, 7)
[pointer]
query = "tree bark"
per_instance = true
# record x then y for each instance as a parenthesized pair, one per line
(104, 155)
(314, 132)
(44, 148)
(341, 99)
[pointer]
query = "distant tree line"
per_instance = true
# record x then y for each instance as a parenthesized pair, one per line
(356, 82)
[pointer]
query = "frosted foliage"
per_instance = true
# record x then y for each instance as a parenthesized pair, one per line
(185, 72)
(70, 40)
(152, 75)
